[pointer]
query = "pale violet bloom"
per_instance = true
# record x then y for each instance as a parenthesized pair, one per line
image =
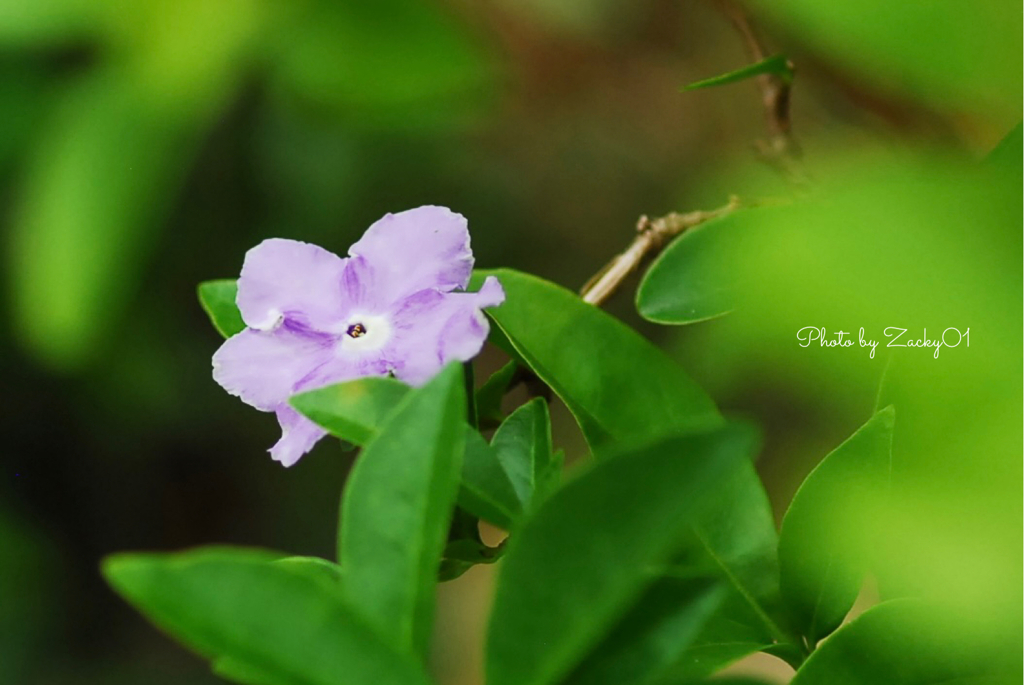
(394, 306)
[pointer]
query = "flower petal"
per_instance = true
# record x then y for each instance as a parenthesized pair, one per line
(426, 247)
(264, 367)
(288, 278)
(433, 328)
(298, 435)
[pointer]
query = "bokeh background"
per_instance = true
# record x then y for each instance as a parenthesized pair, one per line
(145, 146)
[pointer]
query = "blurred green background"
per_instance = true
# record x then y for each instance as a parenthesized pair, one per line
(145, 146)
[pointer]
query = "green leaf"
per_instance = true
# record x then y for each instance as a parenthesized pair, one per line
(397, 506)
(733, 537)
(693, 279)
(354, 410)
(826, 535)
(1006, 156)
(621, 387)
(314, 567)
(708, 655)
(461, 555)
(549, 478)
(522, 445)
(218, 301)
(241, 672)
(490, 395)
(289, 627)
(653, 635)
(584, 558)
(96, 185)
(911, 642)
(49, 23)
(486, 489)
(779, 65)
(734, 680)
(465, 548)
(961, 56)
(616, 383)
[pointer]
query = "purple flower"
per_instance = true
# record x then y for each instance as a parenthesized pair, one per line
(391, 307)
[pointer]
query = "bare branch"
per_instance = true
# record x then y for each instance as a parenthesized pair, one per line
(652, 235)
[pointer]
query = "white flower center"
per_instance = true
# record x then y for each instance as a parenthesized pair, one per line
(365, 333)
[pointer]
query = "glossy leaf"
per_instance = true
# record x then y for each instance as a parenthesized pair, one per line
(779, 65)
(733, 538)
(614, 381)
(621, 387)
(486, 489)
(218, 301)
(585, 557)
(522, 444)
(356, 410)
(550, 478)
(653, 635)
(692, 279)
(314, 567)
(910, 642)
(708, 655)
(397, 506)
(277, 626)
(826, 535)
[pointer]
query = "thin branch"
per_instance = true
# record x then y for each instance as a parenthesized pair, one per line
(780, 149)
(652, 235)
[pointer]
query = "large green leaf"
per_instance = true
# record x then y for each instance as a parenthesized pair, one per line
(486, 489)
(718, 645)
(579, 563)
(95, 187)
(910, 642)
(653, 635)
(397, 506)
(620, 387)
(218, 301)
(111, 160)
(356, 410)
(947, 52)
(733, 537)
(825, 539)
(691, 281)
(286, 627)
(614, 381)
(522, 445)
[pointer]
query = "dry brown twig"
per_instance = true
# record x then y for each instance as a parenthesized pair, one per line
(780, 150)
(652, 235)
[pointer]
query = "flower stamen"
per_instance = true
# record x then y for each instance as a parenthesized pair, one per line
(356, 330)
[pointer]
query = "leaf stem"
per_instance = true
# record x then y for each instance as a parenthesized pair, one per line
(780, 150)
